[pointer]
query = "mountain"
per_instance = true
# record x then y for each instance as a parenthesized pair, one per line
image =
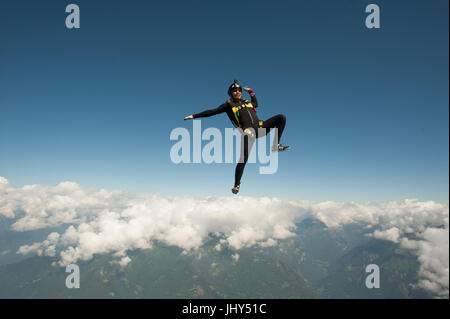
(398, 273)
(161, 272)
(317, 262)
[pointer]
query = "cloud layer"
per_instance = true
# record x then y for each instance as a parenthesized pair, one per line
(100, 222)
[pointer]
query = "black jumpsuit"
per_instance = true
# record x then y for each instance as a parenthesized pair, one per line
(245, 117)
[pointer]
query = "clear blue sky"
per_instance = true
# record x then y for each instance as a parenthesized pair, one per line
(367, 110)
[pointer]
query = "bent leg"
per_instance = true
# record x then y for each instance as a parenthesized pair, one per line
(277, 121)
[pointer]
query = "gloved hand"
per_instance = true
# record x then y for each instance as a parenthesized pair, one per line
(249, 90)
(190, 117)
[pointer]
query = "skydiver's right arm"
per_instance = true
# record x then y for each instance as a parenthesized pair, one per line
(208, 113)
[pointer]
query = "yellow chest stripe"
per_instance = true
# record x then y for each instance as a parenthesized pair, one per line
(237, 108)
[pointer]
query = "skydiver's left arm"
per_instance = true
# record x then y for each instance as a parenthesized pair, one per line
(252, 95)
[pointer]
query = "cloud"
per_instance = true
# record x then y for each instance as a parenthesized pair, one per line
(101, 222)
(433, 255)
(392, 234)
(123, 262)
(38, 207)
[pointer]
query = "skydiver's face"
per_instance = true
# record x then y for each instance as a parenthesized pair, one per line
(236, 94)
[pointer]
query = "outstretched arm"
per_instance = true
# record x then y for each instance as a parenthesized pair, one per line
(207, 113)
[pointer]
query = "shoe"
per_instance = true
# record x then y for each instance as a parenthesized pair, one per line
(235, 189)
(281, 148)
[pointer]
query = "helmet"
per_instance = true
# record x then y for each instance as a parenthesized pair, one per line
(234, 86)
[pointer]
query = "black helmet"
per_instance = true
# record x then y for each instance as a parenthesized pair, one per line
(234, 86)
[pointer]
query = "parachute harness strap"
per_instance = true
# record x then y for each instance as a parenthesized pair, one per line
(236, 109)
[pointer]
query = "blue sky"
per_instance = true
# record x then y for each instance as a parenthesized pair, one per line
(367, 110)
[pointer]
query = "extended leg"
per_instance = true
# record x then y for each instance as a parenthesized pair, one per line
(246, 148)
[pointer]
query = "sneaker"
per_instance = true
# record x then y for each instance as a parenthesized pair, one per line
(280, 148)
(235, 189)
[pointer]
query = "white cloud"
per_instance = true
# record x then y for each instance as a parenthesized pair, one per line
(26, 249)
(123, 262)
(38, 207)
(392, 234)
(269, 243)
(100, 222)
(433, 254)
